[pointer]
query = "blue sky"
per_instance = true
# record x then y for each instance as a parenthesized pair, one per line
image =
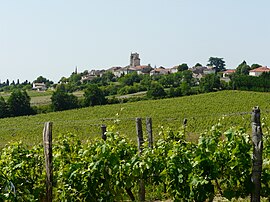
(52, 37)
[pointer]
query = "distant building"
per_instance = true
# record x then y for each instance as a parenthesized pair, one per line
(143, 69)
(174, 69)
(259, 71)
(134, 60)
(39, 87)
(228, 72)
(92, 74)
(159, 71)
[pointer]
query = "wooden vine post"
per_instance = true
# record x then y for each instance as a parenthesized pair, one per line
(103, 132)
(149, 132)
(257, 154)
(140, 149)
(47, 142)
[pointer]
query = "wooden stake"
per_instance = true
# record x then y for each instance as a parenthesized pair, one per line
(140, 149)
(47, 142)
(257, 154)
(149, 131)
(103, 132)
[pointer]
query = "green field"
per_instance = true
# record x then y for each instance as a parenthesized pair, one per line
(201, 111)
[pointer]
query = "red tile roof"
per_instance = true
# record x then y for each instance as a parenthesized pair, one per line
(261, 69)
(229, 71)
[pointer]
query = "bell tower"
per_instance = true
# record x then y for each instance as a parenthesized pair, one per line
(135, 60)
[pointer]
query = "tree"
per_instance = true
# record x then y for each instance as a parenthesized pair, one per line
(185, 88)
(187, 76)
(198, 65)
(243, 68)
(19, 103)
(156, 91)
(3, 108)
(254, 66)
(217, 63)
(210, 82)
(93, 95)
(182, 67)
(129, 79)
(61, 100)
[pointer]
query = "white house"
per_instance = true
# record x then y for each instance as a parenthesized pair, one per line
(258, 71)
(174, 69)
(39, 86)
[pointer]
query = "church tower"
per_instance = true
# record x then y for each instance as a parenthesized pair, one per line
(135, 60)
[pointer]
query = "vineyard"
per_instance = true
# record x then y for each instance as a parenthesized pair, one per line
(202, 111)
(112, 170)
(210, 156)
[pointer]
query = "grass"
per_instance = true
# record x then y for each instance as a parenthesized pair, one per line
(201, 111)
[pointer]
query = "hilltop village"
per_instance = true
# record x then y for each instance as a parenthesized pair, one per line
(198, 71)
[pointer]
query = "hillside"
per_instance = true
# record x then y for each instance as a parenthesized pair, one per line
(202, 111)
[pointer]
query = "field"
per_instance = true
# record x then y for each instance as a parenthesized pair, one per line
(230, 108)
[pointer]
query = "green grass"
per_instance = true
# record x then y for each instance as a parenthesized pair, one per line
(202, 111)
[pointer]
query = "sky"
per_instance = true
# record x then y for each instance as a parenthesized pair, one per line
(50, 38)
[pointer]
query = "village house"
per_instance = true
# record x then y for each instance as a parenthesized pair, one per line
(123, 71)
(92, 74)
(258, 71)
(228, 72)
(174, 69)
(159, 71)
(143, 69)
(39, 87)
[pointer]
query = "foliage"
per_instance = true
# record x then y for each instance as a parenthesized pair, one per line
(185, 88)
(93, 95)
(253, 83)
(156, 91)
(4, 112)
(19, 104)
(211, 82)
(182, 67)
(130, 79)
(243, 68)
(61, 100)
(217, 63)
(254, 66)
(111, 170)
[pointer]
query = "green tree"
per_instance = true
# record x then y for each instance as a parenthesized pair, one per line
(3, 108)
(217, 63)
(61, 100)
(243, 68)
(187, 76)
(19, 103)
(210, 82)
(254, 66)
(93, 95)
(130, 79)
(198, 65)
(185, 88)
(156, 91)
(182, 67)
